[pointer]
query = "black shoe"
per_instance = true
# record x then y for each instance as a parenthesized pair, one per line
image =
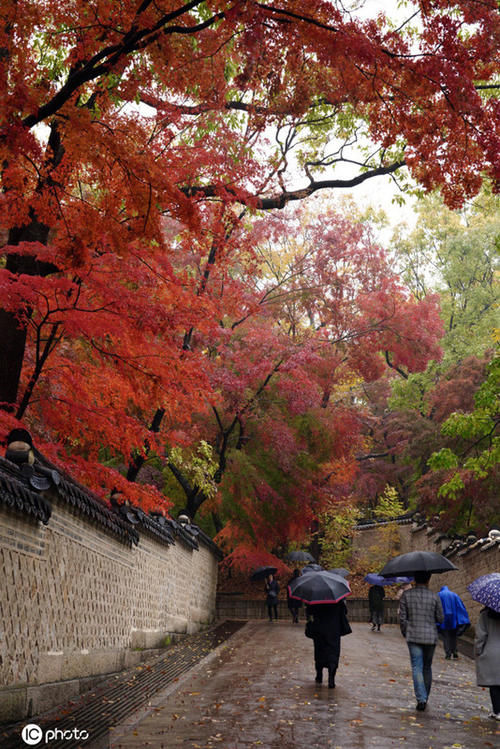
(455, 656)
(421, 705)
(319, 677)
(331, 677)
(378, 628)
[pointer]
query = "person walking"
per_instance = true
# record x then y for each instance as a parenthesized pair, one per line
(272, 589)
(327, 623)
(455, 622)
(487, 655)
(376, 595)
(419, 611)
(293, 604)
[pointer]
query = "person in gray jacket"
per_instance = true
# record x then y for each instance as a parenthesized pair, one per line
(420, 610)
(487, 652)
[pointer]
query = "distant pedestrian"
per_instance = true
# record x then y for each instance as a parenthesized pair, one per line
(376, 596)
(272, 589)
(455, 622)
(487, 652)
(419, 611)
(293, 604)
(327, 623)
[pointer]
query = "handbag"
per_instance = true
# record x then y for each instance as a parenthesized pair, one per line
(309, 631)
(345, 627)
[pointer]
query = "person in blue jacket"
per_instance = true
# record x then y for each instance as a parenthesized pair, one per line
(455, 622)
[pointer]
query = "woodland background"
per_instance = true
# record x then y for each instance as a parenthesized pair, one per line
(192, 318)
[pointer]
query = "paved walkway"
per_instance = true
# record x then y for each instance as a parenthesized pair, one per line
(258, 690)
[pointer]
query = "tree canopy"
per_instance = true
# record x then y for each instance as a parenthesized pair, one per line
(137, 142)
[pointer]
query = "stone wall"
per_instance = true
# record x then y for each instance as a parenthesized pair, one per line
(472, 560)
(236, 607)
(471, 563)
(77, 602)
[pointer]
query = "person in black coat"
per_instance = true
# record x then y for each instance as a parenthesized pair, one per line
(376, 596)
(329, 623)
(293, 604)
(272, 589)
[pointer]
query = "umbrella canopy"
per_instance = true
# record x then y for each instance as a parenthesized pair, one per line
(417, 561)
(313, 568)
(262, 572)
(340, 571)
(486, 590)
(300, 556)
(375, 579)
(319, 587)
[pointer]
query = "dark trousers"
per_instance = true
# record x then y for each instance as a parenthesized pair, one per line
(450, 641)
(294, 610)
(270, 608)
(495, 698)
(377, 617)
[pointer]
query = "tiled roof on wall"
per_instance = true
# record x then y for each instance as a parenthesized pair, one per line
(366, 523)
(21, 488)
(16, 494)
(460, 545)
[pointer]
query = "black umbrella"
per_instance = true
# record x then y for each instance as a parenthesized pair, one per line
(319, 587)
(300, 556)
(340, 571)
(262, 572)
(417, 561)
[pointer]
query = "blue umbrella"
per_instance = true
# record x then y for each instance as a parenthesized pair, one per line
(375, 579)
(486, 590)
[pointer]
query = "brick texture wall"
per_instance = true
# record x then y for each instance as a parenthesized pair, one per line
(471, 564)
(74, 600)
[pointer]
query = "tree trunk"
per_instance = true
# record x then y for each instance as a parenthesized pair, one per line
(13, 338)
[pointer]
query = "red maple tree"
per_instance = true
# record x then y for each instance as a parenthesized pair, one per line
(100, 305)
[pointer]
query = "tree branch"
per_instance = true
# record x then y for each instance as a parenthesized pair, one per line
(280, 200)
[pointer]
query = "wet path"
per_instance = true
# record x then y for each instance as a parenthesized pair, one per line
(258, 689)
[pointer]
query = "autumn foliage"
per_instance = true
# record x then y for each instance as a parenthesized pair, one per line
(139, 282)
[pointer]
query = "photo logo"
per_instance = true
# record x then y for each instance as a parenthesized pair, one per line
(32, 734)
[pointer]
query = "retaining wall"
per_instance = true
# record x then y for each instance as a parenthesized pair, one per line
(231, 606)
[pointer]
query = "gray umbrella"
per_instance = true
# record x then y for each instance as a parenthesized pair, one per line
(417, 561)
(340, 571)
(300, 556)
(312, 568)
